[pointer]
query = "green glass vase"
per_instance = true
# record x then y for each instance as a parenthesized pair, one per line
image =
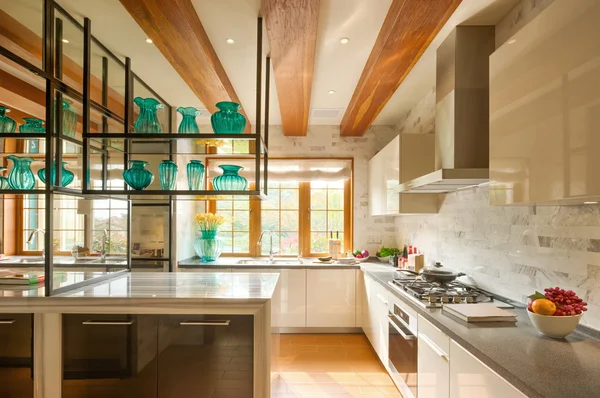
(32, 125)
(7, 125)
(3, 180)
(230, 180)
(209, 245)
(21, 176)
(228, 120)
(136, 176)
(69, 118)
(167, 173)
(147, 120)
(188, 124)
(66, 176)
(195, 175)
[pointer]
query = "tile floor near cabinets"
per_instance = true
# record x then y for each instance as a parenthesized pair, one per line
(328, 365)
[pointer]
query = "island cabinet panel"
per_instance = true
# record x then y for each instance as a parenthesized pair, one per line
(16, 355)
(202, 356)
(109, 356)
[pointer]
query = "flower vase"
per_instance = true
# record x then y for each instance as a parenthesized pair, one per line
(228, 120)
(69, 119)
(147, 121)
(209, 245)
(167, 173)
(188, 124)
(66, 176)
(3, 180)
(7, 125)
(195, 175)
(32, 125)
(21, 176)
(137, 177)
(230, 180)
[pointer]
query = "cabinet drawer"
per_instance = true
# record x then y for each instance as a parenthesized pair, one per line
(434, 334)
(16, 355)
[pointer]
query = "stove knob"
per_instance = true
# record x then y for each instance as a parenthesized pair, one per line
(457, 300)
(445, 299)
(432, 300)
(470, 300)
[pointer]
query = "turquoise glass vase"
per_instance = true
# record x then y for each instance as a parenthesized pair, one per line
(69, 118)
(167, 173)
(32, 125)
(21, 176)
(3, 180)
(66, 176)
(7, 125)
(147, 120)
(228, 120)
(230, 180)
(136, 176)
(209, 245)
(188, 124)
(195, 175)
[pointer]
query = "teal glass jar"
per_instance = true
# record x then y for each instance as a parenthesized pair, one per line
(7, 125)
(167, 173)
(195, 175)
(136, 176)
(3, 180)
(188, 124)
(69, 118)
(66, 176)
(21, 176)
(209, 245)
(147, 121)
(228, 120)
(32, 125)
(230, 180)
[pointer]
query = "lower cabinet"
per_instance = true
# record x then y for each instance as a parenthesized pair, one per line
(433, 368)
(331, 298)
(109, 356)
(202, 356)
(375, 317)
(16, 355)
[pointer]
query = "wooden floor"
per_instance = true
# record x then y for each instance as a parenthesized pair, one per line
(328, 365)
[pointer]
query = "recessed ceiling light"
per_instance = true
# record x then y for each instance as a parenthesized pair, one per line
(331, 91)
(230, 41)
(65, 41)
(149, 40)
(512, 41)
(344, 40)
(590, 203)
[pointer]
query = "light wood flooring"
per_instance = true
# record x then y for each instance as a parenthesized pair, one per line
(328, 365)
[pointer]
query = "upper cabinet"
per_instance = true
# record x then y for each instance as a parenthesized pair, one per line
(545, 108)
(384, 176)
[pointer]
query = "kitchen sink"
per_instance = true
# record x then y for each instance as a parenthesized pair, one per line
(31, 260)
(266, 262)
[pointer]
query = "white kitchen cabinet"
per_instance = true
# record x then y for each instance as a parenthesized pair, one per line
(384, 176)
(470, 378)
(331, 298)
(433, 377)
(375, 317)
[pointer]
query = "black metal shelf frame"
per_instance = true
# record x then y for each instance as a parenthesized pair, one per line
(100, 142)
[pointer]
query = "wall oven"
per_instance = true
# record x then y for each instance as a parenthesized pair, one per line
(402, 349)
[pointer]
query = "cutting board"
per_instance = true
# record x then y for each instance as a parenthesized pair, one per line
(482, 312)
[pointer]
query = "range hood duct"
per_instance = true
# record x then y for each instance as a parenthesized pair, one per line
(461, 114)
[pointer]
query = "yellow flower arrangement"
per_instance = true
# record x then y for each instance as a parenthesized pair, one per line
(209, 221)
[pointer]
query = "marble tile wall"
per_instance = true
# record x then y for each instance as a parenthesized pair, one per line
(513, 250)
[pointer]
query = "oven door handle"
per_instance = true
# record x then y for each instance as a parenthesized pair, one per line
(405, 336)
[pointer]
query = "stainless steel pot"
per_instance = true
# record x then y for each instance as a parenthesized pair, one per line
(439, 274)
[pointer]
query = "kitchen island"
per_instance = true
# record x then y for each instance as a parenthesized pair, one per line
(151, 334)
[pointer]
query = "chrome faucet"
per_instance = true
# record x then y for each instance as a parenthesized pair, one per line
(271, 251)
(103, 242)
(31, 235)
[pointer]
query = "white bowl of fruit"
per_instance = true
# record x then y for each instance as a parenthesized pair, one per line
(556, 313)
(361, 255)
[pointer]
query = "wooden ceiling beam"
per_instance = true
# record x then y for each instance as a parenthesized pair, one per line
(292, 32)
(407, 31)
(176, 30)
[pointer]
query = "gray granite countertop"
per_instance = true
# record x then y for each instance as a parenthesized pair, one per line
(538, 366)
(238, 264)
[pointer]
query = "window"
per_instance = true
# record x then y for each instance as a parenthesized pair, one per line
(326, 214)
(236, 230)
(280, 214)
(111, 216)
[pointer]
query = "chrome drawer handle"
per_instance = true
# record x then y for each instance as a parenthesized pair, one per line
(205, 323)
(108, 323)
(382, 299)
(434, 347)
(7, 321)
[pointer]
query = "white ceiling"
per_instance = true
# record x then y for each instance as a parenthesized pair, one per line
(337, 66)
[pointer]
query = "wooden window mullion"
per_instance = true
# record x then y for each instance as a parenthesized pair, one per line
(304, 219)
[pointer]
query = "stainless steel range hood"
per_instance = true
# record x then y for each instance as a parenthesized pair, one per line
(461, 114)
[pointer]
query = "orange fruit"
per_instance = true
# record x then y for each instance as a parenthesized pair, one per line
(543, 307)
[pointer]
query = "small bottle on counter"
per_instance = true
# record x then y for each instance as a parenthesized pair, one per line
(395, 259)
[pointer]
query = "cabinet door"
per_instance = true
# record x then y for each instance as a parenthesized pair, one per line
(367, 323)
(384, 173)
(331, 298)
(109, 356)
(470, 378)
(288, 305)
(433, 370)
(16, 356)
(202, 356)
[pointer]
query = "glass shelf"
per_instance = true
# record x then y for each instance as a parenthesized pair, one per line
(170, 136)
